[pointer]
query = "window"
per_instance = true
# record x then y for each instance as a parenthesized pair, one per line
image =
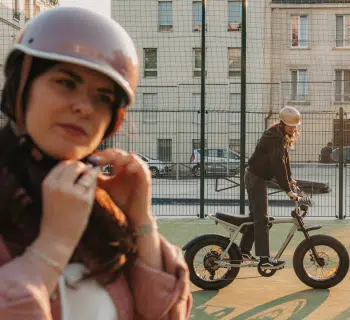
(197, 15)
(150, 62)
(227, 154)
(234, 62)
(196, 101)
(196, 144)
(16, 13)
(150, 107)
(165, 9)
(234, 145)
(299, 85)
(343, 31)
(165, 150)
(342, 85)
(197, 52)
(234, 15)
(27, 10)
(235, 101)
(337, 133)
(299, 32)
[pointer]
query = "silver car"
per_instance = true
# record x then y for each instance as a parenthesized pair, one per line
(217, 161)
(157, 167)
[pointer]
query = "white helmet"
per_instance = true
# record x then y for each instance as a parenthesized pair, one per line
(290, 116)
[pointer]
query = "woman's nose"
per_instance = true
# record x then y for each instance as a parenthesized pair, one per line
(83, 105)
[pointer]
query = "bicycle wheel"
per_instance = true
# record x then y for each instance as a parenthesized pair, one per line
(334, 258)
(201, 259)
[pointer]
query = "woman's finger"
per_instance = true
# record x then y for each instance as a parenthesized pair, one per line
(88, 179)
(110, 156)
(56, 172)
(71, 173)
(119, 159)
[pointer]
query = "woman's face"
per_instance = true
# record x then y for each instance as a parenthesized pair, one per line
(290, 130)
(69, 110)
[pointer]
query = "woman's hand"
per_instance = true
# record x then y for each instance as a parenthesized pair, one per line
(293, 182)
(68, 196)
(130, 183)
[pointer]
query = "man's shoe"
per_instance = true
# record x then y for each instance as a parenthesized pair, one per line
(271, 263)
(247, 256)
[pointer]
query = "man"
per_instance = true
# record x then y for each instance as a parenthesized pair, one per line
(326, 153)
(269, 160)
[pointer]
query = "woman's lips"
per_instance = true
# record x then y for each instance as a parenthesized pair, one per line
(73, 130)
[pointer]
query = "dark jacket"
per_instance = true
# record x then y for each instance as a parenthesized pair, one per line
(271, 159)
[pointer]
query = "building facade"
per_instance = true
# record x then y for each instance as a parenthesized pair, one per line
(310, 46)
(13, 15)
(297, 54)
(165, 121)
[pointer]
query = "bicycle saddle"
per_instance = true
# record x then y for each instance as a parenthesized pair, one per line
(235, 220)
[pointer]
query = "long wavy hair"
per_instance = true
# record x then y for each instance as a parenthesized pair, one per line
(108, 244)
(288, 140)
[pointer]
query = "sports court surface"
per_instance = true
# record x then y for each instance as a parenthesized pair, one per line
(253, 297)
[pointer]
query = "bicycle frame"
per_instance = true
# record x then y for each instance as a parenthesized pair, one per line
(296, 220)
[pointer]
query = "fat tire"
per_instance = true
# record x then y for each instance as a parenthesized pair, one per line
(323, 240)
(229, 276)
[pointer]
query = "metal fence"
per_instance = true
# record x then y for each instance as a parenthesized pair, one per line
(176, 183)
(218, 88)
(170, 143)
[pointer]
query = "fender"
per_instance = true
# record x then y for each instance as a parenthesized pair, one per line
(192, 242)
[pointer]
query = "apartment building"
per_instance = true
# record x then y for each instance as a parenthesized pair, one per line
(13, 15)
(165, 121)
(309, 58)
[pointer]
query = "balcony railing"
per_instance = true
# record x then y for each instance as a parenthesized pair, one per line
(16, 15)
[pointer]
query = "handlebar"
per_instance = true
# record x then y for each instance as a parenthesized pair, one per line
(302, 198)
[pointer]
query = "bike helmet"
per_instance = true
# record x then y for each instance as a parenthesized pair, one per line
(79, 36)
(290, 116)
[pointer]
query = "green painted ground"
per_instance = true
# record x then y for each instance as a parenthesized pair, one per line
(253, 297)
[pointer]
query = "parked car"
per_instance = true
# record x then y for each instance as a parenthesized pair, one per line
(335, 154)
(217, 162)
(157, 167)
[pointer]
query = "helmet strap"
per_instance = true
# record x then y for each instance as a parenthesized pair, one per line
(20, 121)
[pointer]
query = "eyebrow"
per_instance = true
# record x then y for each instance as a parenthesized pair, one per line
(81, 80)
(72, 75)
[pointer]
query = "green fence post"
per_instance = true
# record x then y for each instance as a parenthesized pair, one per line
(341, 163)
(243, 104)
(202, 159)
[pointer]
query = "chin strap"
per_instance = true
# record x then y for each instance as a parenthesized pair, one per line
(26, 143)
(27, 63)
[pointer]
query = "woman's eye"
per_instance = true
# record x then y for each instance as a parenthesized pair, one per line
(70, 84)
(105, 99)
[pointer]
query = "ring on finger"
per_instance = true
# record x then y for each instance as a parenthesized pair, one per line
(85, 185)
(85, 181)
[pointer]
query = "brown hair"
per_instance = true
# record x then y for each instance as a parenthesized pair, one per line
(108, 244)
(288, 140)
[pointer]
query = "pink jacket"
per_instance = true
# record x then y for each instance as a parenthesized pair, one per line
(149, 294)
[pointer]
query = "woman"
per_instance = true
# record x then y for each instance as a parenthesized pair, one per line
(269, 160)
(75, 244)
